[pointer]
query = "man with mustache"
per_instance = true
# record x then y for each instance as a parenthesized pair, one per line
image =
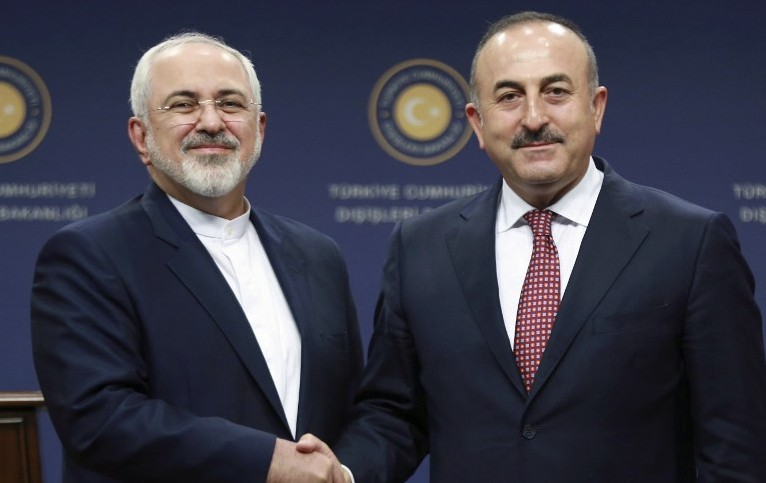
(566, 325)
(187, 336)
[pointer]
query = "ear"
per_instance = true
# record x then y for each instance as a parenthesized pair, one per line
(262, 124)
(599, 107)
(137, 135)
(474, 117)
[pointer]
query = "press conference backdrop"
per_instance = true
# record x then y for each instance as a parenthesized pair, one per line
(365, 122)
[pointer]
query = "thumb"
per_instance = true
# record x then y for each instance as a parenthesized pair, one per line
(310, 443)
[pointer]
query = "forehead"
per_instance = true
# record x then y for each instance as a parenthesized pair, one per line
(201, 68)
(532, 50)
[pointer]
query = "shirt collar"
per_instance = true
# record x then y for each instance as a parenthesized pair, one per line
(214, 227)
(576, 206)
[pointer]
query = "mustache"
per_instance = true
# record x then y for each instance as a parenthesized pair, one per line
(202, 139)
(543, 135)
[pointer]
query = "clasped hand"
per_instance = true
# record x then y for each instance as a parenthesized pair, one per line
(307, 461)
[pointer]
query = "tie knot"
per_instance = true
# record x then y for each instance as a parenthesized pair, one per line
(540, 221)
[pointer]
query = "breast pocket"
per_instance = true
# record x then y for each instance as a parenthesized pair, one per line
(660, 315)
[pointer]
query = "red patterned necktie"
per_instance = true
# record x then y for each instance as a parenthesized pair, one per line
(539, 299)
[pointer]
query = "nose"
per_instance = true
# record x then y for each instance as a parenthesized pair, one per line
(535, 115)
(210, 119)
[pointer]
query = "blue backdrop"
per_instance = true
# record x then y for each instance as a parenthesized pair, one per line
(685, 114)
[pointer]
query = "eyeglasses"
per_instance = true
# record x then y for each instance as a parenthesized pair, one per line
(189, 110)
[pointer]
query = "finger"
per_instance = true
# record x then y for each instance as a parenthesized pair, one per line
(310, 443)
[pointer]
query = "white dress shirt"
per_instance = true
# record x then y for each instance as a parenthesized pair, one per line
(513, 238)
(241, 258)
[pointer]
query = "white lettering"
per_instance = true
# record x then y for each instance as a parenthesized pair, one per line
(349, 191)
(48, 190)
(375, 215)
(43, 213)
(752, 214)
(749, 191)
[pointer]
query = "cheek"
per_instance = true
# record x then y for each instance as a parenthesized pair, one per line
(247, 137)
(173, 137)
(170, 146)
(502, 124)
(579, 121)
(241, 131)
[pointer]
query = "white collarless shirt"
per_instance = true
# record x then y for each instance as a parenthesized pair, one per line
(242, 260)
(513, 238)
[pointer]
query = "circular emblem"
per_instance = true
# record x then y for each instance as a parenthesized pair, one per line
(416, 112)
(25, 109)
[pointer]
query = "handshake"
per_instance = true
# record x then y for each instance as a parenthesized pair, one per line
(308, 460)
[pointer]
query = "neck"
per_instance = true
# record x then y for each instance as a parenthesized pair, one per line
(228, 206)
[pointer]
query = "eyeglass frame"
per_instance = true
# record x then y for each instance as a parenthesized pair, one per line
(199, 105)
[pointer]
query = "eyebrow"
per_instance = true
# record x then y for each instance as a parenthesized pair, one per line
(192, 94)
(508, 84)
(552, 79)
(547, 80)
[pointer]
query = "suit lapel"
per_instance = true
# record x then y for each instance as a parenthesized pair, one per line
(611, 239)
(289, 266)
(472, 248)
(195, 268)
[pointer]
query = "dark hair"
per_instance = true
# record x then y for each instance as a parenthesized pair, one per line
(511, 21)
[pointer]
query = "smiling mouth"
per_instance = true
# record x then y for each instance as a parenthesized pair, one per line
(209, 148)
(537, 145)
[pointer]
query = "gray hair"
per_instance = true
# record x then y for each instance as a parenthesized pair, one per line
(140, 87)
(511, 21)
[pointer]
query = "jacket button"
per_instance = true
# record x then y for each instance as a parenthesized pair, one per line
(528, 431)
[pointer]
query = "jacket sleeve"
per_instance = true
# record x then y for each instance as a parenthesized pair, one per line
(87, 346)
(388, 438)
(723, 348)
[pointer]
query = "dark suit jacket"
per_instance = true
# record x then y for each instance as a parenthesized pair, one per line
(149, 367)
(654, 370)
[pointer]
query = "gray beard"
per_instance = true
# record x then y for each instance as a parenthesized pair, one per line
(211, 175)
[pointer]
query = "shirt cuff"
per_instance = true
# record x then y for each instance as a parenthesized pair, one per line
(348, 472)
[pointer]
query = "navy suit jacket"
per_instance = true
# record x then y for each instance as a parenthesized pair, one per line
(654, 371)
(149, 367)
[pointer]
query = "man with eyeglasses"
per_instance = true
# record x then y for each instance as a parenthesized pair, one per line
(186, 335)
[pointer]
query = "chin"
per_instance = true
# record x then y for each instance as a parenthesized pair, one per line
(541, 171)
